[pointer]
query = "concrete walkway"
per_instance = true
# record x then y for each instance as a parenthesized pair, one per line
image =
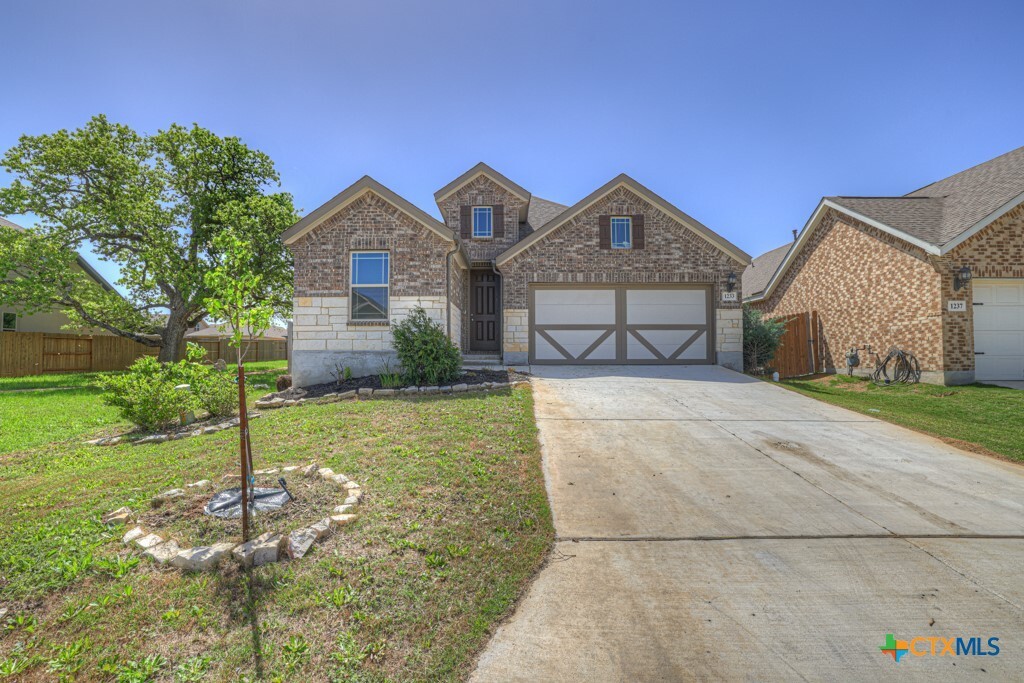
(713, 527)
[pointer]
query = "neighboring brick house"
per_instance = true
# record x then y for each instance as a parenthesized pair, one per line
(621, 277)
(938, 272)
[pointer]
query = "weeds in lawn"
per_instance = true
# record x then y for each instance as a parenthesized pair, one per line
(192, 670)
(142, 670)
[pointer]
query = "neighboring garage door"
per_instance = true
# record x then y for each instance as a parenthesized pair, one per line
(620, 324)
(998, 329)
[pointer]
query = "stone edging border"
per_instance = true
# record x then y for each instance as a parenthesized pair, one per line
(170, 436)
(264, 549)
(367, 392)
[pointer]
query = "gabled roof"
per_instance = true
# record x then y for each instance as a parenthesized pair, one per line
(759, 273)
(623, 180)
(354, 192)
(938, 217)
(473, 173)
(82, 263)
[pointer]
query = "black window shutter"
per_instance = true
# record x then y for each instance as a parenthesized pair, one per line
(466, 221)
(638, 232)
(498, 220)
(604, 231)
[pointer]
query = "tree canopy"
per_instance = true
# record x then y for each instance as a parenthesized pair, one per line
(152, 204)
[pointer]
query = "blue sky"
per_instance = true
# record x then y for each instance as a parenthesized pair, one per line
(742, 113)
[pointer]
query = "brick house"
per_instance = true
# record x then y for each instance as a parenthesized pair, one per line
(620, 277)
(938, 272)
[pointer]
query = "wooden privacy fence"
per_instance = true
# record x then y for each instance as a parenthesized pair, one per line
(799, 353)
(36, 353)
(262, 349)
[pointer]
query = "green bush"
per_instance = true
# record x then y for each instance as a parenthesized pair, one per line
(425, 352)
(146, 394)
(761, 339)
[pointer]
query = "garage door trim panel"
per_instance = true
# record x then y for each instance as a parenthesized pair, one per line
(621, 329)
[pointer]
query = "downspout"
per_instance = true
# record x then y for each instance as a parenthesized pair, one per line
(501, 309)
(448, 283)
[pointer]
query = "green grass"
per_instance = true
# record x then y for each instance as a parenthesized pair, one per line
(49, 413)
(37, 417)
(454, 524)
(51, 380)
(975, 415)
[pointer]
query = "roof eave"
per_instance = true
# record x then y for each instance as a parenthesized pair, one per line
(482, 169)
(622, 179)
(981, 225)
(354, 192)
(813, 222)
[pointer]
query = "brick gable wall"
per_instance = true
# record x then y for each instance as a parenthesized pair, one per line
(867, 287)
(995, 252)
(369, 223)
(482, 191)
(325, 340)
(571, 254)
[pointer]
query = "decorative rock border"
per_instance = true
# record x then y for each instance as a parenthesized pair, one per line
(170, 436)
(264, 549)
(271, 401)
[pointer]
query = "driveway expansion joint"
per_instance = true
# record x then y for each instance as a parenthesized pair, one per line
(786, 537)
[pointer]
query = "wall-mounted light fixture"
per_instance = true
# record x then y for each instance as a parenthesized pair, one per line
(730, 282)
(961, 278)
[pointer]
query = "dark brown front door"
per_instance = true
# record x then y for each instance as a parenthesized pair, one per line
(483, 311)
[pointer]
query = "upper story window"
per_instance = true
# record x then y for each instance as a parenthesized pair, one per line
(622, 232)
(483, 222)
(370, 285)
(10, 322)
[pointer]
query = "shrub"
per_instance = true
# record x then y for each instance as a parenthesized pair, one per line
(426, 353)
(762, 337)
(146, 393)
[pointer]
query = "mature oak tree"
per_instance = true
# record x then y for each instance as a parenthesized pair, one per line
(152, 204)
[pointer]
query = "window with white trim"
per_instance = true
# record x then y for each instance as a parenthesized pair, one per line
(483, 222)
(622, 232)
(10, 322)
(369, 291)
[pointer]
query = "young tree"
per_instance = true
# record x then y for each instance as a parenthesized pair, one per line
(154, 205)
(239, 299)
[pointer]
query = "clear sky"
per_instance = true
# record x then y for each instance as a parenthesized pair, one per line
(741, 113)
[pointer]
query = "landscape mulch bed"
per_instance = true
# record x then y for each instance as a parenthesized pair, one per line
(183, 518)
(373, 382)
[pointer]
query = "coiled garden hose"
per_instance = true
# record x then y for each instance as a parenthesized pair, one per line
(899, 367)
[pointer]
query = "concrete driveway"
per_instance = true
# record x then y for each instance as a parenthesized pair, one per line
(713, 527)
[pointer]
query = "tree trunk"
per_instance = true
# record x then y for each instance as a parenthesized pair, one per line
(172, 336)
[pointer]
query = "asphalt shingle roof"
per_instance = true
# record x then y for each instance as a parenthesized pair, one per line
(940, 212)
(759, 273)
(540, 213)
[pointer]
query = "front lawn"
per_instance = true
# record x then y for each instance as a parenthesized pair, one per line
(453, 525)
(40, 409)
(979, 417)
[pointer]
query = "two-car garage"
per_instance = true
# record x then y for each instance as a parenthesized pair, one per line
(621, 324)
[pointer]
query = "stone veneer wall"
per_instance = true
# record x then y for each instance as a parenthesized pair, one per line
(572, 255)
(324, 339)
(868, 287)
(482, 191)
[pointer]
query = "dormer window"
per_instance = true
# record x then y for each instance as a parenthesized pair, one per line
(622, 232)
(483, 222)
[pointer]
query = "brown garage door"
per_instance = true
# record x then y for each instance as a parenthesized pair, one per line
(621, 324)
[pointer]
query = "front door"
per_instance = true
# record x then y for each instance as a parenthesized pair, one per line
(483, 307)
